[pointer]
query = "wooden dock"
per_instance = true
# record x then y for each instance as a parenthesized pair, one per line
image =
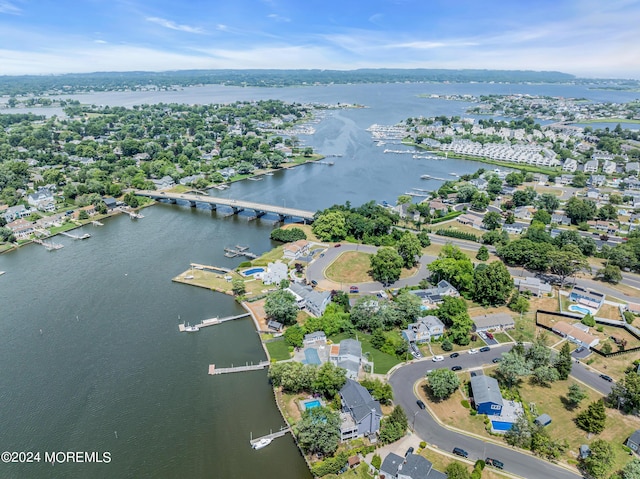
(49, 246)
(213, 321)
(239, 251)
(215, 269)
(272, 435)
(238, 369)
(76, 237)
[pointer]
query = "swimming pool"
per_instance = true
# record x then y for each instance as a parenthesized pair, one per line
(311, 404)
(252, 271)
(579, 309)
(501, 426)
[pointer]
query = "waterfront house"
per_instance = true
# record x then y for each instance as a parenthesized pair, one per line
(22, 229)
(110, 202)
(407, 210)
(42, 200)
(493, 321)
(411, 467)
(633, 442)
(438, 208)
(479, 183)
(486, 395)
(16, 212)
(164, 183)
(295, 250)
(360, 415)
(275, 273)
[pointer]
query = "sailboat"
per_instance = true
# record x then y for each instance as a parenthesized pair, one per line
(264, 442)
(191, 329)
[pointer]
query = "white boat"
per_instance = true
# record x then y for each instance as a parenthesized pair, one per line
(1, 273)
(191, 329)
(454, 174)
(264, 442)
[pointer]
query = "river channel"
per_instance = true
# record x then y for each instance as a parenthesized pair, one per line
(89, 342)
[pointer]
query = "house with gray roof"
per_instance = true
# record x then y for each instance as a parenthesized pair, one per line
(411, 467)
(486, 395)
(423, 330)
(315, 337)
(534, 285)
(348, 355)
(560, 219)
(493, 321)
(433, 296)
(275, 273)
(361, 414)
(16, 212)
(315, 302)
(633, 442)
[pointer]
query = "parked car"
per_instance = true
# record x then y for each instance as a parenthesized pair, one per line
(409, 451)
(354, 289)
(473, 374)
(482, 335)
(460, 452)
(337, 246)
(456, 368)
(314, 282)
(496, 360)
(494, 462)
(473, 351)
(454, 355)
(489, 335)
(437, 359)
(606, 378)
(421, 404)
(579, 350)
(484, 349)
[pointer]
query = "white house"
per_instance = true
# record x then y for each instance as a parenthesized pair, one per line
(570, 165)
(275, 273)
(591, 166)
(296, 249)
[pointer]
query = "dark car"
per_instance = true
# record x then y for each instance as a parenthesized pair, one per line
(496, 360)
(337, 246)
(409, 451)
(473, 374)
(421, 404)
(454, 355)
(484, 349)
(314, 282)
(606, 378)
(456, 368)
(460, 452)
(494, 462)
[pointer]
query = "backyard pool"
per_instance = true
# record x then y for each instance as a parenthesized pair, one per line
(311, 403)
(501, 426)
(252, 271)
(579, 309)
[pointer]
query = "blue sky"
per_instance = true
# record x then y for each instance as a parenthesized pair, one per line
(593, 38)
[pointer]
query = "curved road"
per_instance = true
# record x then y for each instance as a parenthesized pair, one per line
(516, 462)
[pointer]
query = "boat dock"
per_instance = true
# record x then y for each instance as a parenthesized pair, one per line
(213, 321)
(429, 177)
(96, 223)
(272, 435)
(319, 162)
(238, 250)
(49, 246)
(132, 214)
(77, 237)
(215, 269)
(237, 369)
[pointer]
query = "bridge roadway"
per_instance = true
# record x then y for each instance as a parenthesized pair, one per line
(236, 205)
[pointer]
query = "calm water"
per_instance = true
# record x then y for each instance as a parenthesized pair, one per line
(92, 357)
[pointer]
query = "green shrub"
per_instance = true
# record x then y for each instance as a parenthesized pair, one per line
(458, 234)
(244, 264)
(446, 345)
(376, 461)
(600, 328)
(465, 403)
(629, 317)
(473, 412)
(423, 444)
(288, 235)
(480, 464)
(626, 449)
(331, 465)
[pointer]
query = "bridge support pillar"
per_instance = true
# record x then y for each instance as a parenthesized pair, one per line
(281, 217)
(192, 204)
(237, 209)
(172, 201)
(260, 213)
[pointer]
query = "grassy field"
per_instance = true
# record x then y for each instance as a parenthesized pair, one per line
(278, 349)
(440, 462)
(360, 472)
(502, 337)
(437, 348)
(307, 230)
(382, 362)
(268, 257)
(216, 282)
(350, 267)
(614, 366)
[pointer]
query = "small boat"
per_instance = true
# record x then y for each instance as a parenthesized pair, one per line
(191, 329)
(454, 174)
(268, 174)
(264, 442)
(2, 272)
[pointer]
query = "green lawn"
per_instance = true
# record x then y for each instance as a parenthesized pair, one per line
(502, 337)
(360, 472)
(382, 362)
(278, 349)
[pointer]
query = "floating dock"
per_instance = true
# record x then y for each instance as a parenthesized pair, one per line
(213, 321)
(239, 251)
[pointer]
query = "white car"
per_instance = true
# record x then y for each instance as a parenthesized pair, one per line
(473, 351)
(437, 359)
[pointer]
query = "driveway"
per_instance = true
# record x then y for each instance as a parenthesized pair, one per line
(426, 427)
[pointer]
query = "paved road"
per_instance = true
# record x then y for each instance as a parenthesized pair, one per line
(427, 428)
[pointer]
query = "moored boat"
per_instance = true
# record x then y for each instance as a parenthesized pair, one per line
(264, 442)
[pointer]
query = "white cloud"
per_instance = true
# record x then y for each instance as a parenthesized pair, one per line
(100, 41)
(8, 7)
(278, 18)
(163, 22)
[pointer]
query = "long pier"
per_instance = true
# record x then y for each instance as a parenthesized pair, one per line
(215, 269)
(76, 237)
(213, 322)
(49, 246)
(236, 205)
(283, 430)
(237, 369)
(239, 251)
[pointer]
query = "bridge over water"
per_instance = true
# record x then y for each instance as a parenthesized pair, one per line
(237, 206)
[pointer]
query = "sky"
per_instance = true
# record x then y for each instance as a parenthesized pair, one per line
(587, 38)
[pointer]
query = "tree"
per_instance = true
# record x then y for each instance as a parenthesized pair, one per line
(443, 383)
(608, 212)
(588, 320)
(524, 197)
(548, 201)
(610, 273)
(460, 329)
(83, 215)
(538, 354)
(330, 226)
(518, 303)
(480, 201)
(600, 460)
(579, 180)
(492, 284)
(408, 306)
(575, 395)
(492, 220)
(544, 375)
(238, 287)
(394, 426)
(453, 266)
(288, 235)
(319, 431)
(380, 391)
(294, 336)
(567, 261)
(281, 306)
(580, 210)
(403, 199)
(626, 393)
(409, 249)
(424, 239)
(483, 253)
(632, 469)
(451, 308)
(593, 418)
(514, 178)
(329, 379)
(542, 216)
(521, 432)
(457, 470)
(564, 362)
(512, 367)
(376, 461)
(386, 265)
